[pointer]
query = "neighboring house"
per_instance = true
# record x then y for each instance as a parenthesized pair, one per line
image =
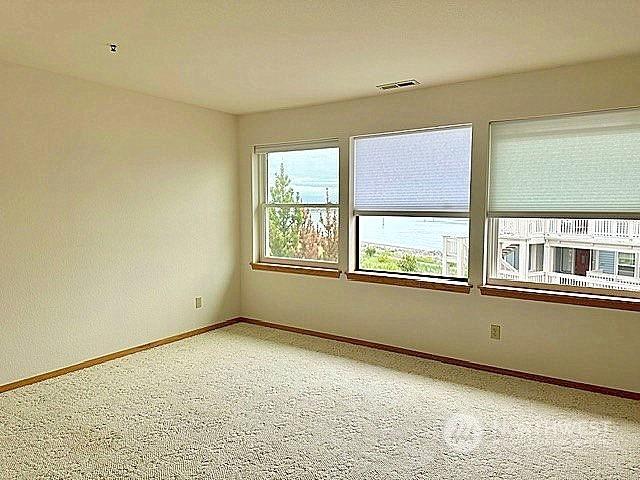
(587, 253)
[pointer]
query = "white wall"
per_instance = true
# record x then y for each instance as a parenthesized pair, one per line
(116, 210)
(598, 346)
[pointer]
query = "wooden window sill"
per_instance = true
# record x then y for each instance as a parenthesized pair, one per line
(582, 299)
(278, 267)
(407, 281)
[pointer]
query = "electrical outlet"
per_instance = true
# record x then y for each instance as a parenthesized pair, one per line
(495, 332)
(198, 302)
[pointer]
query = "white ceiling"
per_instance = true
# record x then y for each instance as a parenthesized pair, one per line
(253, 55)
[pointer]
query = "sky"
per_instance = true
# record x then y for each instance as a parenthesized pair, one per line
(311, 172)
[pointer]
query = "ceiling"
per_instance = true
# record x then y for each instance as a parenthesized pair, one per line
(254, 55)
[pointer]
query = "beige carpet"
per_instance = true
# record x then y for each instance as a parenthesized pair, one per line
(248, 402)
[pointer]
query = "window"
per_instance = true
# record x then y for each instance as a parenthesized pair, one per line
(299, 204)
(536, 257)
(626, 264)
(564, 260)
(566, 189)
(606, 261)
(411, 201)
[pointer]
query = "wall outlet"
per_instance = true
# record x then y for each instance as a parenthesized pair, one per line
(198, 302)
(495, 332)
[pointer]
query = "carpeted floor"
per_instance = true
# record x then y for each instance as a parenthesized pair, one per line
(247, 402)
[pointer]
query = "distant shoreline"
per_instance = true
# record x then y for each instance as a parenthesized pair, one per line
(396, 248)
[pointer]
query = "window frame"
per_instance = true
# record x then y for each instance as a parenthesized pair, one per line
(492, 229)
(261, 153)
(354, 214)
(634, 265)
(425, 276)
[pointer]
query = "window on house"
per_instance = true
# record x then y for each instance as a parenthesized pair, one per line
(606, 261)
(411, 202)
(536, 257)
(564, 260)
(626, 264)
(299, 204)
(565, 190)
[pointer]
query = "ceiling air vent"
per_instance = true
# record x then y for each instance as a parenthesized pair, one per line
(401, 84)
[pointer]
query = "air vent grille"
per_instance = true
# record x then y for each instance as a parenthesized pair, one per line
(400, 84)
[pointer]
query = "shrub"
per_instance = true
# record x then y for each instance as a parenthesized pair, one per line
(408, 263)
(384, 257)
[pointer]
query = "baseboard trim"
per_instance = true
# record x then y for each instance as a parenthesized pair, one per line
(113, 356)
(329, 336)
(450, 360)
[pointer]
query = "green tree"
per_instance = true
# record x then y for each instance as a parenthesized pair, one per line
(284, 223)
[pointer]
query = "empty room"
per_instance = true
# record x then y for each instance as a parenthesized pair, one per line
(320, 239)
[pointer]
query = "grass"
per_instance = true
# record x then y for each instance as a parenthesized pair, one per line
(390, 262)
(386, 259)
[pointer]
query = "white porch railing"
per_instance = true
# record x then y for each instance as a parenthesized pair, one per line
(507, 267)
(455, 250)
(522, 227)
(621, 279)
(592, 280)
(450, 245)
(528, 227)
(508, 275)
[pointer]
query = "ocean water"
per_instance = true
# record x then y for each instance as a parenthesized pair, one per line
(314, 173)
(412, 232)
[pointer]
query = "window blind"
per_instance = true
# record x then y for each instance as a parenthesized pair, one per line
(292, 146)
(571, 166)
(423, 171)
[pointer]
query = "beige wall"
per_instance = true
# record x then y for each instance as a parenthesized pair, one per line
(591, 345)
(116, 210)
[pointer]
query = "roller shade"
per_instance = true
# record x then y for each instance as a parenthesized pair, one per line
(571, 166)
(292, 146)
(422, 171)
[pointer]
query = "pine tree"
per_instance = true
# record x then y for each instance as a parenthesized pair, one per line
(284, 222)
(330, 231)
(293, 232)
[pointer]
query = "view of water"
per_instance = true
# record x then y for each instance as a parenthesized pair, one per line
(313, 172)
(414, 232)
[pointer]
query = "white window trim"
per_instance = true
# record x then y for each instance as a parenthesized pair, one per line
(354, 254)
(260, 154)
(635, 264)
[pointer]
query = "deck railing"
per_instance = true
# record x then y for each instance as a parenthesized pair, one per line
(522, 227)
(455, 250)
(527, 227)
(593, 279)
(608, 277)
(451, 245)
